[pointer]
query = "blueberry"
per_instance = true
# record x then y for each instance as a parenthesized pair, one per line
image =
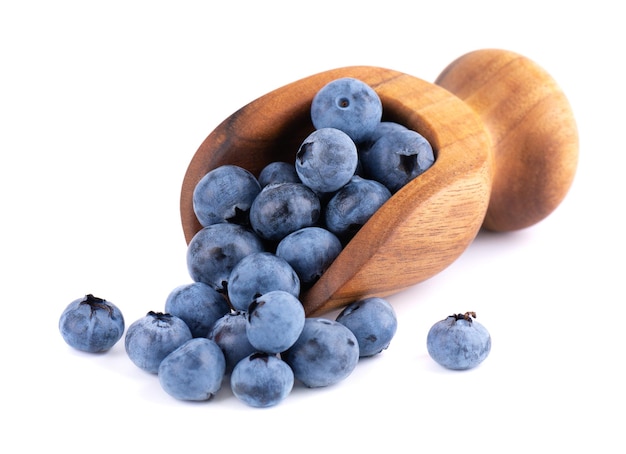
(225, 194)
(381, 129)
(325, 353)
(198, 305)
(458, 342)
(352, 206)
(309, 251)
(152, 337)
(261, 380)
(372, 321)
(275, 321)
(229, 332)
(283, 208)
(257, 274)
(216, 249)
(326, 160)
(278, 172)
(91, 324)
(348, 104)
(397, 157)
(194, 371)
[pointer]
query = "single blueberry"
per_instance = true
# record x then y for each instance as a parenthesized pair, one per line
(216, 249)
(91, 324)
(194, 371)
(229, 332)
(326, 160)
(257, 274)
(353, 205)
(381, 129)
(347, 104)
(309, 251)
(199, 305)
(152, 337)
(397, 158)
(261, 380)
(275, 321)
(458, 342)
(225, 194)
(325, 353)
(372, 321)
(283, 208)
(278, 172)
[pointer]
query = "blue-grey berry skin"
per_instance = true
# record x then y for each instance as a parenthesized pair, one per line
(229, 332)
(261, 380)
(225, 194)
(199, 305)
(91, 324)
(275, 321)
(278, 172)
(216, 249)
(383, 128)
(257, 274)
(372, 321)
(458, 342)
(152, 337)
(194, 371)
(396, 158)
(353, 205)
(326, 160)
(325, 353)
(310, 252)
(347, 104)
(283, 208)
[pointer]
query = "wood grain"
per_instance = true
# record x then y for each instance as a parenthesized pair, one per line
(532, 128)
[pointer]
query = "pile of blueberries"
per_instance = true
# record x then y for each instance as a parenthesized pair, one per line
(263, 241)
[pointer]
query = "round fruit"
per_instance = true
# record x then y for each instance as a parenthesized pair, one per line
(91, 324)
(372, 321)
(458, 342)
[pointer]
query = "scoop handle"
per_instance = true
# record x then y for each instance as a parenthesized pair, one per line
(532, 128)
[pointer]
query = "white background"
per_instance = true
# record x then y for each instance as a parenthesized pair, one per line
(102, 106)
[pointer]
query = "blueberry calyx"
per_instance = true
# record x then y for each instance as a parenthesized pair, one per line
(468, 316)
(304, 151)
(343, 103)
(253, 306)
(96, 303)
(259, 355)
(240, 217)
(161, 318)
(408, 163)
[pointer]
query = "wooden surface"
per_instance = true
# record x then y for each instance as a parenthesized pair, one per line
(533, 132)
(421, 230)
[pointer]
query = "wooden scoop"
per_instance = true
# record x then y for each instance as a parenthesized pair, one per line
(506, 149)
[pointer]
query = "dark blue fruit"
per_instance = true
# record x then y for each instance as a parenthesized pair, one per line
(199, 305)
(229, 332)
(152, 337)
(224, 195)
(347, 104)
(215, 250)
(458, 342)
(261, 380)
(397, 157)
(283, 208)
(194, 371)
(91, 324)
(372, 321)
(325, 353)
(326, 160)
(257, 274)
(309, 251)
